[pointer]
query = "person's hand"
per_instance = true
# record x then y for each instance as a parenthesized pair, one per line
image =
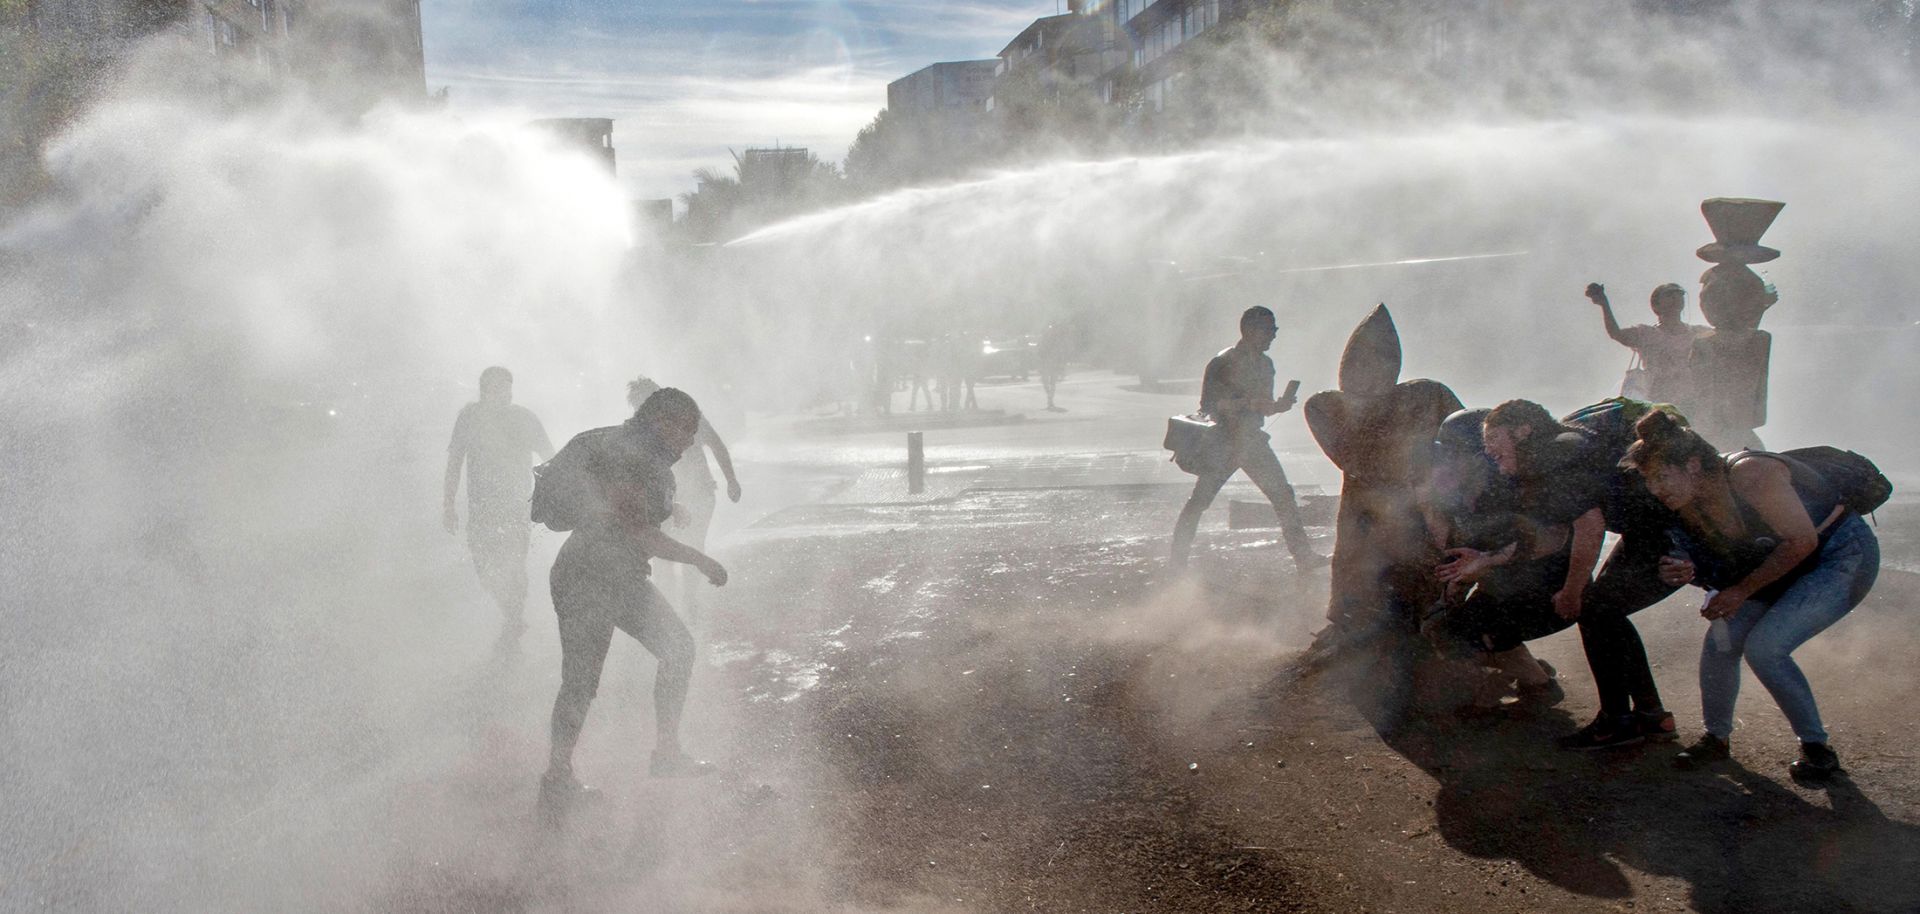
(681, 518)
(1463, 566)
(1596, 293)
(716, 575)
(1280, 406)
(1675, 572)
(1566, 603)
(1724, 604)
(449, 518)
(733, 490)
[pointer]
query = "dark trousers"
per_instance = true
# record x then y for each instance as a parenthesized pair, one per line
(1629, 581)
(1512, 605)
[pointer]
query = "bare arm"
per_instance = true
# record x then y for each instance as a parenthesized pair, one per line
(1767, 485)
(722, 457)
(1597, 293)
(456, 457)
(629, 506)
(1589, 530)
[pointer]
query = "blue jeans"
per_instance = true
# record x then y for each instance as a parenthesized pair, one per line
(1767, 634)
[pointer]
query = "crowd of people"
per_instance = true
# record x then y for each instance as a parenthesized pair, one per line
(1481, 529)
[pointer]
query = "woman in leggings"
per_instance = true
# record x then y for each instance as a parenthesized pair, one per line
(1781, 558)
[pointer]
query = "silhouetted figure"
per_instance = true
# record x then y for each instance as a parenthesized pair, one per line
(1053, 351)
(600, 583)
(694, 482)
(1237, 392)
(496, 441)
(1665, 348)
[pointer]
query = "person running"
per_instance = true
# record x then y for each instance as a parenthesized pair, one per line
(1782, 559)
(1664, 347)
(495, 442)
(693, 480)
(600, 583)
(1237, 391)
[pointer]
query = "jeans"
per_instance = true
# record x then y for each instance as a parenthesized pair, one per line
(1253, 454)
(1767, 634)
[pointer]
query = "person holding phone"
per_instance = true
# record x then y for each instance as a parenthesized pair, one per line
(1237, 392)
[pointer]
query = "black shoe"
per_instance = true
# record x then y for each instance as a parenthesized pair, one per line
(1546, 693)
(1656, 726)
(1707, 750)
(1606, 732)
(1817, 763)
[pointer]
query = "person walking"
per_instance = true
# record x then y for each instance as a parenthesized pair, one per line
(494, 443)
(600, 583)
(1237, 392)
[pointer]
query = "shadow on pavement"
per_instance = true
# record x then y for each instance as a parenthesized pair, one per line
(1742, 841)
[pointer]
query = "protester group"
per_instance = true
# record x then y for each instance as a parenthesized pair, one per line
(1461, 535)
(1467, 533)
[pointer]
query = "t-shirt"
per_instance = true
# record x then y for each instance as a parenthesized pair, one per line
(1668, 354)
(1564, 478)
(1237, 374)
(498, 443)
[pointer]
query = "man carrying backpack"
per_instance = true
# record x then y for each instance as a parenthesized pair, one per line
(612, 488)
(494, 441)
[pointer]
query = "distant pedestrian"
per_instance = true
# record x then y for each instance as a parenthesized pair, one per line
(1237, 392)
(495, 442)
(1664, 348)
(1052, 356)
(600, 583)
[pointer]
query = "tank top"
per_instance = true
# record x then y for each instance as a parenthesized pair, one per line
(1721, 561)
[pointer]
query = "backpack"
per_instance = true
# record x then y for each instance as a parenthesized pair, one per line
(1611, 422)
(564, 492)
(1860, 485)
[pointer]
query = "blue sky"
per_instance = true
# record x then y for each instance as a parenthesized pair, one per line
(686, 80)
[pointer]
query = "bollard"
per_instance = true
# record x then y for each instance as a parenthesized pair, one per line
(916, 463)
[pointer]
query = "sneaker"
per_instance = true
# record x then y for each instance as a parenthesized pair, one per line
(1657, 726)
(1546, 693)
(1705, 751)
(1817, 763)
(678, 764)
(1604, 733)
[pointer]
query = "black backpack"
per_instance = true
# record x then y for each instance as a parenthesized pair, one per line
(1860, 485)
(1611, 422)
(564, 493)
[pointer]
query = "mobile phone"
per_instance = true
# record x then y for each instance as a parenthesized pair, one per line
(1293, 389)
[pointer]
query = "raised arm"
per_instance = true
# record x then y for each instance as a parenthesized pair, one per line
(1597, 294)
